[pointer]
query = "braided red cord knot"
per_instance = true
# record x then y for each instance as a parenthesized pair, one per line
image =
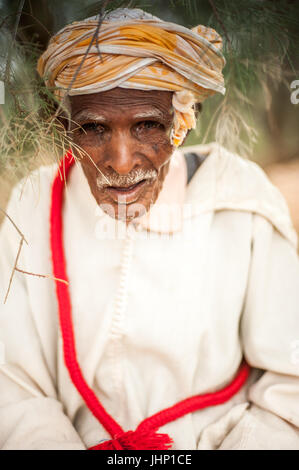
(136, 440)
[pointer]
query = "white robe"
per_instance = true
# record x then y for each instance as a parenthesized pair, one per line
(157, 318)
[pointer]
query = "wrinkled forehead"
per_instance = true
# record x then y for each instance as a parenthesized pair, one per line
(117, 101)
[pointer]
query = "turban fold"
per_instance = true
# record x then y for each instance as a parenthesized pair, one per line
(137, 51)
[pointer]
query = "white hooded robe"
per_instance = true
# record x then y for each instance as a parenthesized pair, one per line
(158, 316)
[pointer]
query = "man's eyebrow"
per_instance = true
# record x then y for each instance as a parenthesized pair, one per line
(154, 113)
(85, 115)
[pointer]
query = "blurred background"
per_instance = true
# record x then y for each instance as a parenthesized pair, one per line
(258, 117)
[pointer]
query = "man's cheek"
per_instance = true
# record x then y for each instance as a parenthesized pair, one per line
(160, 143)
(91, 174)
(152, 194)
(85, 149)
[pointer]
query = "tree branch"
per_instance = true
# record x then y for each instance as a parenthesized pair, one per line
(46, 276)
(14, 268)
(211, 2)
(9, 55)
(15, 226)
(94, 38)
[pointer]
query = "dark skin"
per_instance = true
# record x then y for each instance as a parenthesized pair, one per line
(131, 132)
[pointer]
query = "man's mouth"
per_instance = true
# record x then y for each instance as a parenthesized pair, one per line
(127, 194)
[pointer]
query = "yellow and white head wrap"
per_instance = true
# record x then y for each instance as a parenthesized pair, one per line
(138, 51)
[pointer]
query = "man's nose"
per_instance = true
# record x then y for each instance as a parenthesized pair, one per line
(122, 154)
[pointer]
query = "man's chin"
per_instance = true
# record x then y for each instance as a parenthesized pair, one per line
(125, 212)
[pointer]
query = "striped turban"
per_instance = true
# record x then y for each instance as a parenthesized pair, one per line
(140, 51)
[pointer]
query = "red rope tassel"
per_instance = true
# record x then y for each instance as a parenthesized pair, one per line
(145, 436)
(136, 440)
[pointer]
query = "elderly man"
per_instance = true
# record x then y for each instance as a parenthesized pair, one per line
(171, 267)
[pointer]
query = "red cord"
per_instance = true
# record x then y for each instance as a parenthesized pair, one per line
(64, 302)
(120, 438)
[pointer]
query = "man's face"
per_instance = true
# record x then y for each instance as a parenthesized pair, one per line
(126, 134)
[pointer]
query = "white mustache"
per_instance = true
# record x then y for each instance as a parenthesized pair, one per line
(125, 180)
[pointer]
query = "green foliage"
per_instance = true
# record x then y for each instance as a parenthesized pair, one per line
(28, 135)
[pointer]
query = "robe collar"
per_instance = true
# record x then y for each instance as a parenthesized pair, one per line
(223, 181)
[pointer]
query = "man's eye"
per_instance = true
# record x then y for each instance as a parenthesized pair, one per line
(144, 125)
(92, 127)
